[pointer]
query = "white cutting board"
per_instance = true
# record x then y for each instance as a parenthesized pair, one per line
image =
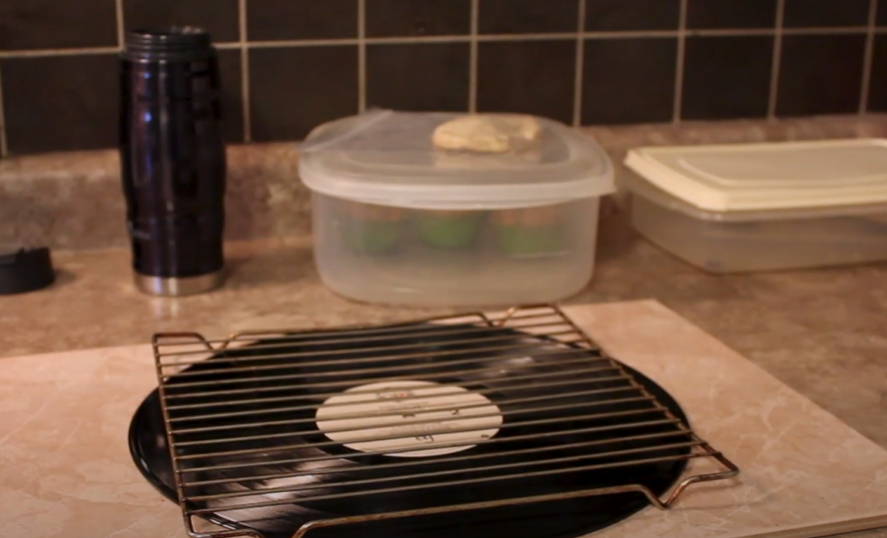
(65, 469)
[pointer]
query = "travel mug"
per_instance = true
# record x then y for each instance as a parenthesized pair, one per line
(172, 159)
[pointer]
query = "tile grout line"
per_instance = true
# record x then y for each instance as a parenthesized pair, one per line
(823, 30)
(776, 63)
(473, 56)
(630, 34)
(361, 56)
(869, 58)
(296, 44)
(42, 53)
(569, 36)
(4, 151)
(580, 65)
(679, 65)
(244, 74)
(118, 11)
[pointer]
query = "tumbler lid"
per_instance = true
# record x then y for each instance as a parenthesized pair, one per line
(168, 43)
(23, 269)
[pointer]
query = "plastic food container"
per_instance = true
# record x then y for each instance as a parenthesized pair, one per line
(398, 221)
(756, 207)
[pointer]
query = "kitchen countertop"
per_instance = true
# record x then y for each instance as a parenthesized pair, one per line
(822, 332)
(72, 200)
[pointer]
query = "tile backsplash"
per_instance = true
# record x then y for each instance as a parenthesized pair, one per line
(288, 65)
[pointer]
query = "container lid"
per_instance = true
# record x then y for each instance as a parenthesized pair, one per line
(768, 176)
(387, 157)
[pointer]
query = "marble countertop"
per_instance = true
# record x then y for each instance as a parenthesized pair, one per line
(802, 472)
(821, 332)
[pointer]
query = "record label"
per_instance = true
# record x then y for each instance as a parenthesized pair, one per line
(402, 415)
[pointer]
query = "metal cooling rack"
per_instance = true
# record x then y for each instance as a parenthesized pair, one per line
(174, 352)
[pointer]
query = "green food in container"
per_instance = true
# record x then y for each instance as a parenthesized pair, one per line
(529, 232)
(371, 229)
(448, 229)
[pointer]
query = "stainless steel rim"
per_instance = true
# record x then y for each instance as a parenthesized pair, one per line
(178, 287)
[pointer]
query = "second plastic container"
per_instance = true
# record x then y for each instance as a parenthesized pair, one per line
(763, 207)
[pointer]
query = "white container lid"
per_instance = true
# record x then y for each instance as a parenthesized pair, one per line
(768, 176)
(388, 158)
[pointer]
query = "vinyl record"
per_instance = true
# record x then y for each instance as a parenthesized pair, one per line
(534, 407)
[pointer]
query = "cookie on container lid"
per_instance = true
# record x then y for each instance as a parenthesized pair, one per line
(488, 133)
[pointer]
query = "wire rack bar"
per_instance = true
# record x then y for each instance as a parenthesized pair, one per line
(275, 371)
(436, 395)
(292, 356)
(465, 482)
(518, 501)
(422, 422)
(325, 444)
(679, 430)
(197, 344)
(406, 377)
(289, 340)
(323, 396)
(437, 461)
(452, 483)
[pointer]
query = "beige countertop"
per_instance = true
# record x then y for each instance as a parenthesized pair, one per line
(802, 472)
(822, 332)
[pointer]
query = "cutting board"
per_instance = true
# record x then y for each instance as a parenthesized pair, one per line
(65, 469)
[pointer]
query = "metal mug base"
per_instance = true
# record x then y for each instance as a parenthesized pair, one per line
(178, 287)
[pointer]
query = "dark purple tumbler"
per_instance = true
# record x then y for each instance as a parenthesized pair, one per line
(172, 159)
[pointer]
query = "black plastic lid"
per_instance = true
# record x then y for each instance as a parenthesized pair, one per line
(23, 270)
(168, 43)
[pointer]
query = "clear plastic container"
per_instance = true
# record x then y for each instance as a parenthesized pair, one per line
(398, 221)
(763, 207)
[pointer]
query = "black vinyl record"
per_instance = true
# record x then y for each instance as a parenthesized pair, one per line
(540, 446)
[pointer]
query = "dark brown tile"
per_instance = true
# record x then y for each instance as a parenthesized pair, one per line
(820, 13)
(704, 14)
(616, 15)
(57, 24)
(276, 20)
(882, 14)
(628, 80)
(293, 90)
(231, 75)
(527, 16)
(60, 103)
(395, 18)
(532, 77)
(219, 17)
(727, 77)
(437, 81)
(820, 74)
(878, 87)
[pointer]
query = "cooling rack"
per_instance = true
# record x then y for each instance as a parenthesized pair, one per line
(239, 401)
